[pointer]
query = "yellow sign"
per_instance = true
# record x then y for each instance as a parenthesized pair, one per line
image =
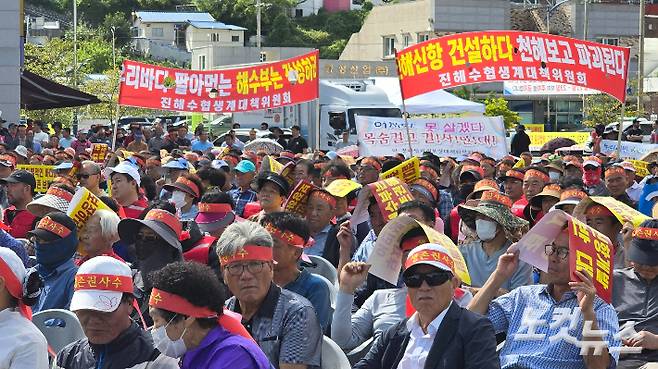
(640, 167)
(540, 138)
(271, 165)
(42, 173)
(519, 164)
(342, 187)
(535, 127)
(99, 152)
(83, 205)
(408, 171)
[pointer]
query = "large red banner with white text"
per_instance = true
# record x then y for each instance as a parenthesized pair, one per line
(262, 86)
(494, 56)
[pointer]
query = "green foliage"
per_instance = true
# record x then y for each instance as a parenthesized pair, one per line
(497, 106)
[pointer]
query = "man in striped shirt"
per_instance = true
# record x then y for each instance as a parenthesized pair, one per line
(545, 324)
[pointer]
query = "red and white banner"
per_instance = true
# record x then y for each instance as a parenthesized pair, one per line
(494, 56)
(263, 86)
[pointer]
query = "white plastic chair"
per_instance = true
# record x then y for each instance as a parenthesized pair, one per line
(332, 356)
(360, 351)
(332, 290)
(60, 327)
(323, 267)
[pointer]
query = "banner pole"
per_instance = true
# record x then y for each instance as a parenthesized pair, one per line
(621, 128)
(405, 115)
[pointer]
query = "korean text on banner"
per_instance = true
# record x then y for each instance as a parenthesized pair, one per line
(98, 152)
(629, 150)
(591, 251)
(540, 138)
(296, 202)
(381, 136)
(529, 88)
(408, 171)
(257, 87)
(495, 56)
(83, 205)
(640, 166)
(390, 193)
(43, 174)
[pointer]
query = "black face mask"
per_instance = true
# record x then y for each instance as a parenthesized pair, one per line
(466, 189)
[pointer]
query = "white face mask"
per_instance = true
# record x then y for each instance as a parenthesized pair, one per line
(178, 199)
(165, 345)
(485, 229)
(554, 176)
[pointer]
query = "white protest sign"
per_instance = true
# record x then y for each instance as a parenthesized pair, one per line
(532, 246)
(382, 136)
(629, 150)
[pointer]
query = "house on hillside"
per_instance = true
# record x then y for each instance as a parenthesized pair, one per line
(173, 35)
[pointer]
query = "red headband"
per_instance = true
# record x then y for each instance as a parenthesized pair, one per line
(466, 168)
(103, 282)
(485, 183)
(61, 193)
(46, 223)
(15, 288)
(205, 207)
(598, 210)
(324, 196)
(248, 252)
(287, 236)
(429, 255)
(614, 171)
(192, 186)
(165, 217)
(177, 304)
(534, 173)
(372, 162)
(646, 233)
(573, 194)
(422, 182)
(514, 174)
(497, 197)
(430, 171)
(412, 242)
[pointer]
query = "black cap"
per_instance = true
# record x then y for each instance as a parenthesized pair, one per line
(53, 223)
(277, 179)
(644, 246)
(21, 176)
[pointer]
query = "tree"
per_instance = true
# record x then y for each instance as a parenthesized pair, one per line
(603, 109)
(497, 106)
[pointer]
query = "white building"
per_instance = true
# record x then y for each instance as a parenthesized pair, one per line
(304, 8)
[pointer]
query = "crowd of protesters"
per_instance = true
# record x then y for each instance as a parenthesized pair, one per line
(207, 256)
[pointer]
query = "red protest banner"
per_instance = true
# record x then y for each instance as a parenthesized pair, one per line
(257, 87)
(494, 56)
(390, 193)
(591, 251)
(98, 152)
(296, 201)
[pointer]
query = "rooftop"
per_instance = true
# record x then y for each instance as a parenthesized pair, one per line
(173, 17)
(215, 25)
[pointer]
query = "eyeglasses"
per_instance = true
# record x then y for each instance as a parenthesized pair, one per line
(236, 270)
(433, 279)
(562, 252)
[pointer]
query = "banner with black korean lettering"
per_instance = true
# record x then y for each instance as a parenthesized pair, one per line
(591, 251)
(263, 86)
(382, 136)
(495, 56)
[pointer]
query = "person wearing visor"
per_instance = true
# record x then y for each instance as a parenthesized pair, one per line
(244, 171)
(156, 242)
(542, 203)
(594, 185)
(185, 193)
(22, 345)
(215, 213)
(173, 168)
(569, 199)
(291, 236)
(55, 241)
(273, 189)
(634, 295)
(534, 181)
(496, 228)
(283, 323)
(439, 334)
(103, 301)
(603, 220)
(188, 302)
(616, 183)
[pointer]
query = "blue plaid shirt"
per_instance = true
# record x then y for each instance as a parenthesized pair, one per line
(513, 312)
(445, 205)
(241, 199)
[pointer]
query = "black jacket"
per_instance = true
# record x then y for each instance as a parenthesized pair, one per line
(520, 143)
(464, 340)
(331, 246)
(133, 348)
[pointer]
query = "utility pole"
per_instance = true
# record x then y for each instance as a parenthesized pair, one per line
(114, 56)
(548, 97)
(75, 60)
(258, 30)
(640, 64)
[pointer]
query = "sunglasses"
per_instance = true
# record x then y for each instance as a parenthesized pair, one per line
(84, 176)
(433, 279)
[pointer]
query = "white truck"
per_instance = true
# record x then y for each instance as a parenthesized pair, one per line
(340, 101)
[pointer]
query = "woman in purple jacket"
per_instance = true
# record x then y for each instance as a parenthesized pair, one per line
(189, 321)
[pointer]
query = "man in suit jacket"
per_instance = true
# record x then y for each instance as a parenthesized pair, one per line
(440, 334)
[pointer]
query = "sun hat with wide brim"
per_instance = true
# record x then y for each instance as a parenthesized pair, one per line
(55, 199)
(162, 222)
(495, 206)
